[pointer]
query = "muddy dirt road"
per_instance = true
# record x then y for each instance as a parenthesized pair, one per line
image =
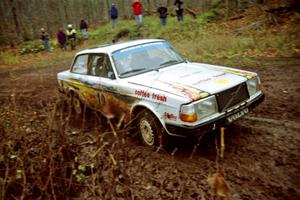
(262, 155)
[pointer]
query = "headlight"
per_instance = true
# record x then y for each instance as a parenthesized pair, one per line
(206, 107)
(198, 110)
(253, 85)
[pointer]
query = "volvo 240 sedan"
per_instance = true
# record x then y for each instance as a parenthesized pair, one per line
(148, 84)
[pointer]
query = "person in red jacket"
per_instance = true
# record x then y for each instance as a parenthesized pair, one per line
(137, 11)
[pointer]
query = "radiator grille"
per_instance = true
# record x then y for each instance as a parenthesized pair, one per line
(232, 97)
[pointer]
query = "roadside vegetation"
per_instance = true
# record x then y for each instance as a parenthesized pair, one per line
(205, 39)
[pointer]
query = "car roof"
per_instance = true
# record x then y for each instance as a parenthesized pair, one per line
(109, 48)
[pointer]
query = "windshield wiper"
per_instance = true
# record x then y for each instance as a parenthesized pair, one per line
(170, 62)
(132, 71)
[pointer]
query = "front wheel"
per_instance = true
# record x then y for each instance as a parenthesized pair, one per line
(150, 130)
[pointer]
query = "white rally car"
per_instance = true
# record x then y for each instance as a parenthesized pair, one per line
(148, 84)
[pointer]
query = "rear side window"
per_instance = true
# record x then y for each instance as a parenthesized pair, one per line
(80, 64)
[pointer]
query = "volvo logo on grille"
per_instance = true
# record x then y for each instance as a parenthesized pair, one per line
(237, 115)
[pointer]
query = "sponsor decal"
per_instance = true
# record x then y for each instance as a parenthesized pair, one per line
(201, 81)
(102, 100)
(190, 92)
(154, 96)
(142, 93)
(170, 116)
(222, 81)
(159, 97)
(84, 91)
(245, 74)
(207, 79)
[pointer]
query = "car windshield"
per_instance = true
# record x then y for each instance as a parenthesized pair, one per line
(145, 57)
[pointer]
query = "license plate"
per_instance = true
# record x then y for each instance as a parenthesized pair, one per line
(237, 115)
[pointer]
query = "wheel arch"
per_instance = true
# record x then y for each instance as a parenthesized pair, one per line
(70, 91)
(139, 107)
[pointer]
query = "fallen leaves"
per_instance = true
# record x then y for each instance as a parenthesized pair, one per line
(217, 182)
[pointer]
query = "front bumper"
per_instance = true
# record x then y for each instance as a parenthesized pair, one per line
(186, 131)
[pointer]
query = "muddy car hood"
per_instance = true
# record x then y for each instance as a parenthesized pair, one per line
(192, 80)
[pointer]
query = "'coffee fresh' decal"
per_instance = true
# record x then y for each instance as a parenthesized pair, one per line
(154, 96)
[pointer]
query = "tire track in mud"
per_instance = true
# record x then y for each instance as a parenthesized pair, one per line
(273, 155)
(261, 158)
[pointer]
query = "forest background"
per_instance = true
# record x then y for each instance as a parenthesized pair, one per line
(22, 19)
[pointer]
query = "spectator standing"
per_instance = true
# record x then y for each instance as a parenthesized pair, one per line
(137, 11)
(113, 15)
(84, 29)
(178, 3)
(62, 39)
(71, 36)
(179, 13)
(45, 39)
(163, 13)
(179, 9)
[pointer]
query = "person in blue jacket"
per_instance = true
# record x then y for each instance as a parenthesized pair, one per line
(113, 14)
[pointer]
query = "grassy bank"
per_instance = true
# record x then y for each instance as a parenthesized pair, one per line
(202, 39)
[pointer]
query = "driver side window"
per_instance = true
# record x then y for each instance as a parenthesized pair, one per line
(99, 65)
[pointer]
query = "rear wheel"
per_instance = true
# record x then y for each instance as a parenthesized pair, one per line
(77, 105)
(74, 103)
(150, 130)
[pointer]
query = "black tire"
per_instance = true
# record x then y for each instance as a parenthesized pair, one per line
(63, 102)
(150, 130)
(77, 105)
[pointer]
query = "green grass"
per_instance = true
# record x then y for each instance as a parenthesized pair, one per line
(151, 28)
(198, 40)
(7, 58)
